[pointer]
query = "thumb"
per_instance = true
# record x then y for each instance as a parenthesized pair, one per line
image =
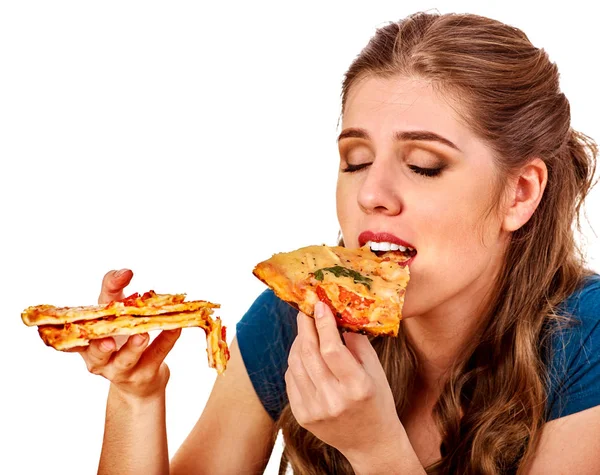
(159, 348)
(113, 284)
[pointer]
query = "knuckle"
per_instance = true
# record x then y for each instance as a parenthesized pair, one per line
(305, 418)
(336, 410)
(293, 361)
(162, 348)
(335, 405)
(301, 418)
(308, 350)
(317, 415)
(142, 377)
(322, 323)
(125, 363)
(93, 367)
(363, 392)
(331, 350)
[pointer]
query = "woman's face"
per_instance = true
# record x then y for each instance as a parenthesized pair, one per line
(412, 174)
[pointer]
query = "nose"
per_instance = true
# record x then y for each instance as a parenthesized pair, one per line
(379, 191)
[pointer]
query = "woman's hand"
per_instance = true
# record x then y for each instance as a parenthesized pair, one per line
(136, 369)
(340, 393)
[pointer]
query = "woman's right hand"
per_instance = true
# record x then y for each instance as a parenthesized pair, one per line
(135, 369)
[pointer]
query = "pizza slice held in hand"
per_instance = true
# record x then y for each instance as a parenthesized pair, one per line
(65, 328)
(365, 291)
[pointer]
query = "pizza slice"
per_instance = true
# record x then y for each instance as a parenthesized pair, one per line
(149, 303)
(65, 328)
(365, 291)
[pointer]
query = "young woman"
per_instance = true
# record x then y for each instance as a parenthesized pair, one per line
(456, 141)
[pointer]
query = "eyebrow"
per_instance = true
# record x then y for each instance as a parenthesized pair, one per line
(418, 135)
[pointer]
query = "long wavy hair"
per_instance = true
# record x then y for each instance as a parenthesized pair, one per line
(493, 403)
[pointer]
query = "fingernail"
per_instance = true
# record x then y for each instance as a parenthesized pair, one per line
(138, 340)
(319, 310)
(120, 272)
(105, 346)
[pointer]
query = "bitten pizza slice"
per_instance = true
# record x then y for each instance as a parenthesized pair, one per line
(364, 291)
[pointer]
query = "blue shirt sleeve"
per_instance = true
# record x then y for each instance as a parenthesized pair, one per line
(575, 363)
(265, 335)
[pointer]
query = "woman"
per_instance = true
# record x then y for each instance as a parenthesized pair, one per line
(457, 142)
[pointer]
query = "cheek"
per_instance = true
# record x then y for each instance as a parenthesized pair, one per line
(458, 233)
(346, 204)
(461, 212)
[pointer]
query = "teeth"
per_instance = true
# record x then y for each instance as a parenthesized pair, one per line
(387, 246)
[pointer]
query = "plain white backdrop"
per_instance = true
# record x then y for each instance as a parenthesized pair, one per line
(186, 141)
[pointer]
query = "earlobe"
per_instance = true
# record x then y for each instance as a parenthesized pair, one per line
(526, 194)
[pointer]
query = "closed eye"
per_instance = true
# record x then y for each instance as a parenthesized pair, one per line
(354, 168)
(428, 172)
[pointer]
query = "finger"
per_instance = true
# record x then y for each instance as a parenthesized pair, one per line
(295, 397)
(113, 284)
(296, 367)
(120, 340)
(310, 352)
(130, 353)
(309, 408)
(76, 349)
(371, 368)
(362, 350)
(98, 353)
(159, 348)
(338, 358)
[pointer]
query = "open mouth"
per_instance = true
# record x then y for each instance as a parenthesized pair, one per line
(381, 248)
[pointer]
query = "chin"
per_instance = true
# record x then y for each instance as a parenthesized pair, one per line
(416, 303)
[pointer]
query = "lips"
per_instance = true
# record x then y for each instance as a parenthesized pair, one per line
(366, 236)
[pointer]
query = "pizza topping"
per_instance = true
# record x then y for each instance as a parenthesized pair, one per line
(340, 271)
(346, 298)
(364, 291)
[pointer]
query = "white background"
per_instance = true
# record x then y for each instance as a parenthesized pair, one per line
(186, 141)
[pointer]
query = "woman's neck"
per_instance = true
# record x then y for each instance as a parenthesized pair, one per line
(440, 337)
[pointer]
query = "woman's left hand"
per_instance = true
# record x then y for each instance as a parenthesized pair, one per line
(340, 393)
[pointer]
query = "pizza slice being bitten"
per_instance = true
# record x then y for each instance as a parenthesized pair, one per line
(364, 291)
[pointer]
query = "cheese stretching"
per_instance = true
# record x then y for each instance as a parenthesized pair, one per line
(64, 328)
(364, 291)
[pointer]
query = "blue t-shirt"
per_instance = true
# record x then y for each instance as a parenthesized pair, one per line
(267, 331)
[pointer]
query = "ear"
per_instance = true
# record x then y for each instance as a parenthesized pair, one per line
(526, 194)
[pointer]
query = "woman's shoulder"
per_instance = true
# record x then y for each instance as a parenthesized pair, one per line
(264, 336)
(575, 361)
(584, 302)
(268, 313)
